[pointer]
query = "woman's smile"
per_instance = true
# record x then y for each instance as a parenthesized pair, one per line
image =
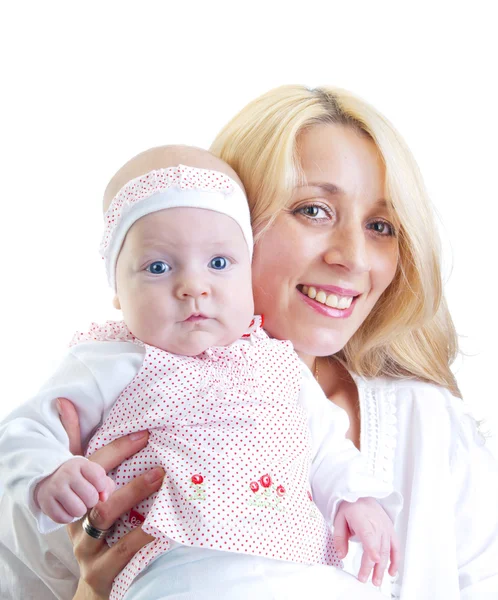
(330, 304)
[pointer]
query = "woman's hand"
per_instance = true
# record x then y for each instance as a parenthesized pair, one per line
(99, 564)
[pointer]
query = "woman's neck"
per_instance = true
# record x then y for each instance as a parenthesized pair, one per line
(307, 359)
(339, 387)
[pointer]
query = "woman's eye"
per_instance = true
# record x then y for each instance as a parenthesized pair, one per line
(158, 267)
(314, 211)
(381, 228)
(219, 263)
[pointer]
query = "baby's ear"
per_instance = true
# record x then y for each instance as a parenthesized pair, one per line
(116, 303)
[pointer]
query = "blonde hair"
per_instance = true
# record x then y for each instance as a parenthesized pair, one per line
(418, 339)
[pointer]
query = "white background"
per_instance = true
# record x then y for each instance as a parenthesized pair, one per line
(87, 85)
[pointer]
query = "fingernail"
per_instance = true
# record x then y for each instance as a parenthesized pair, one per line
(154, 475)
(58, 405)
(138, 435)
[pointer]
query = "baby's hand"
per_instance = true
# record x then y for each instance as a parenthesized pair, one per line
(366, 519)
(69, 492)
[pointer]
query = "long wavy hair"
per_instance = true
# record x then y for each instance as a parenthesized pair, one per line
(409, 332)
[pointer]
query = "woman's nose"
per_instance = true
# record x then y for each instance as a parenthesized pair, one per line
(349, 249)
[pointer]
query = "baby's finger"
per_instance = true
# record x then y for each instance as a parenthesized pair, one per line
(395, 556)
(85, 491)
(71, 503)
(56, 511)
(370, 542)
(95, 475)
(109, 489)
(380, 567)
(126, 497)
(365, 568)
(341, 535)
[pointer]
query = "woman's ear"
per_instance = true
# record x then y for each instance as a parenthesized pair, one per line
(116, 303)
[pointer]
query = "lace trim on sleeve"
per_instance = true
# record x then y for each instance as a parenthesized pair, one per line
(379, 429)
(378, 439)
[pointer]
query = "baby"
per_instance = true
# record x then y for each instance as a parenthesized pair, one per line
(256, 460)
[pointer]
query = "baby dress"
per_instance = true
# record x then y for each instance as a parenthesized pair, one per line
(228, 429)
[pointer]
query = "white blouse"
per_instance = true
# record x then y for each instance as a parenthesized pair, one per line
(424, 440)
(415, 435)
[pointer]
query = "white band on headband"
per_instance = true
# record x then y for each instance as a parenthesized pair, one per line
(174, 187)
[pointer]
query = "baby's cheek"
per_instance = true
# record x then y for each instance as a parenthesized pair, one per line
(148, 317)
(242, 314)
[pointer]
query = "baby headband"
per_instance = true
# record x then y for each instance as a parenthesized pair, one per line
(173, 187)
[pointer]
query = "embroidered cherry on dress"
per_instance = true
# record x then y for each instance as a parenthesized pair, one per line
(265, 481)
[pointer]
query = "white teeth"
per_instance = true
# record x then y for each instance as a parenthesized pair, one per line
(345, 302)
(332, 301)
(340, 302)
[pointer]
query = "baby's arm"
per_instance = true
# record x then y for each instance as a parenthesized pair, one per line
(33, 443)
(352, 500)
(339, 472)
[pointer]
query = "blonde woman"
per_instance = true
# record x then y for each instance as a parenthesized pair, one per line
(346, 266)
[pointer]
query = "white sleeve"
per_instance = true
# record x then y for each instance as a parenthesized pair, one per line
(33, 443)
(475, 476)
(338, 470)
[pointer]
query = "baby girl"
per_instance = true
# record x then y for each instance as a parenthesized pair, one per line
(257, 463)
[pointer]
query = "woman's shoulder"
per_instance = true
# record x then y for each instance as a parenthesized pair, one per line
(418, 395)
(427, 408)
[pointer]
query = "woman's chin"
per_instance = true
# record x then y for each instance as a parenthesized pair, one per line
(312, 348)
(313, 341)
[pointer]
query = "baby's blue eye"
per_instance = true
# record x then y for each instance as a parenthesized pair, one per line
(158, 267)
(219, 263)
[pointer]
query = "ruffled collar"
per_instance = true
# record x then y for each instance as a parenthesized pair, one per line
(117, 331)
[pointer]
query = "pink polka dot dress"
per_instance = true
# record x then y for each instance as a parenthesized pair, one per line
(227, 428)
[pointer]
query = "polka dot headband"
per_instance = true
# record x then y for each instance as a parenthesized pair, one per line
(174, 187)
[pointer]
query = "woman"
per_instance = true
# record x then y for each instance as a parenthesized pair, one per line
(346, 266)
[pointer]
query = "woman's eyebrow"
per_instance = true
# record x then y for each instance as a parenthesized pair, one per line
(330, 188)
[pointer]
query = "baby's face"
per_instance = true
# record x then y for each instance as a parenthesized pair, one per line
(183, 280)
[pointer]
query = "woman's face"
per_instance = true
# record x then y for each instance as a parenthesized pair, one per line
(323, 264)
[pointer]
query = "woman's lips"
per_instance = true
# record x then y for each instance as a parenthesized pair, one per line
(332, 289)
(329, 305)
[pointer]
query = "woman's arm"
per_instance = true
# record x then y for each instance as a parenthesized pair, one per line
(98, 563)
(475, 476)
